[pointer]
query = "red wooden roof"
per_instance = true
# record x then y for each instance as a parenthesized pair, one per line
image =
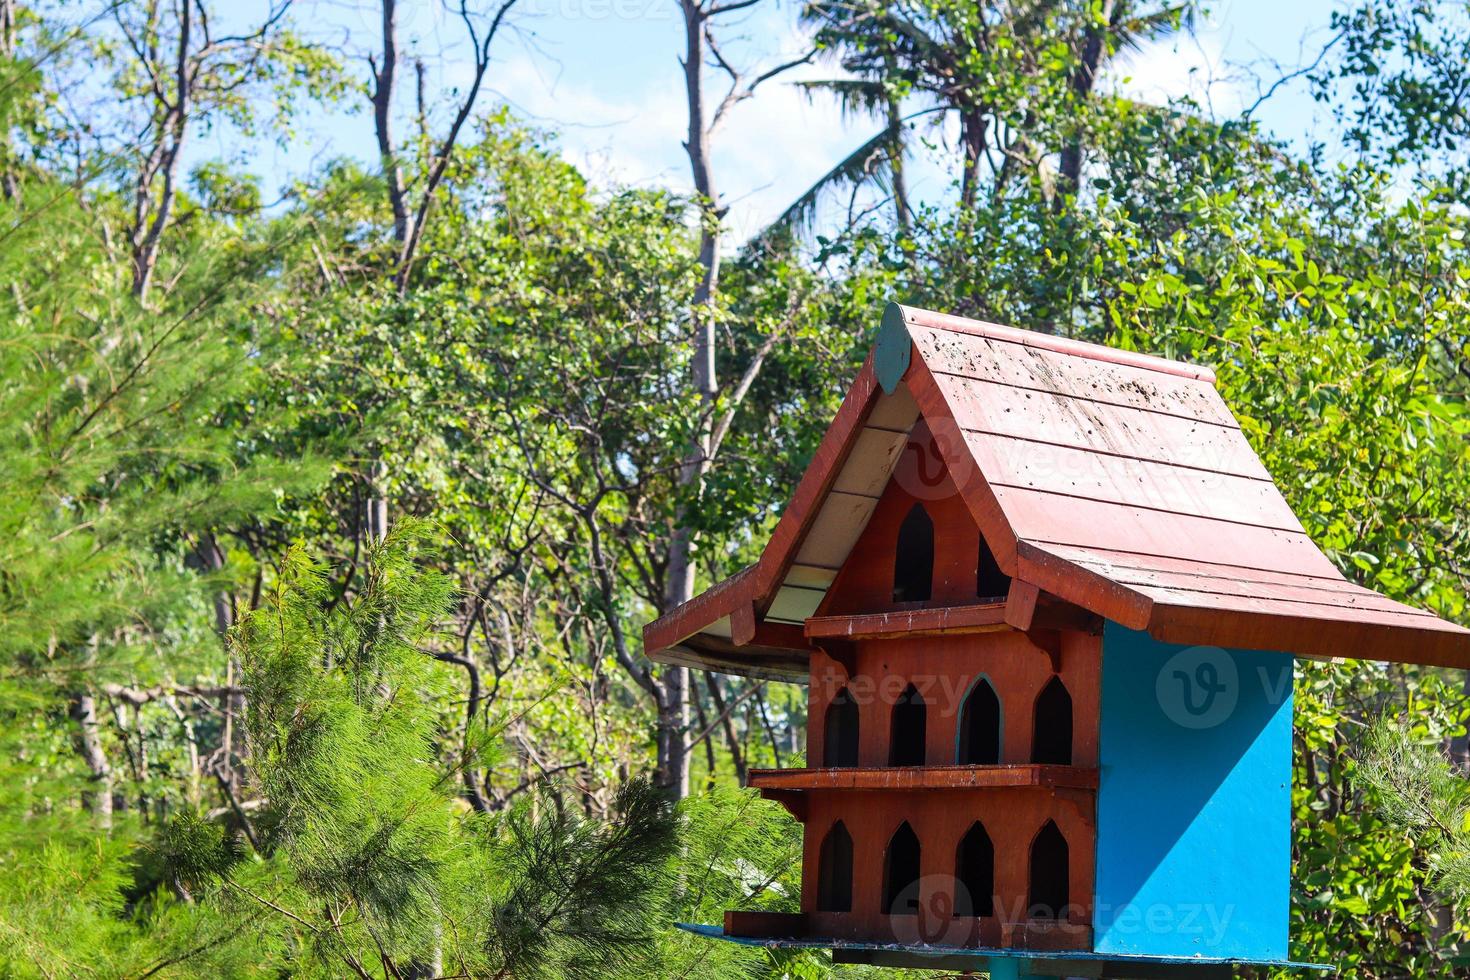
(1115, 481)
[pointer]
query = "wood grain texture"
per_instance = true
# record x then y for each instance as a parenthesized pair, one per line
(1051, 418)
(916, 317)
(1072, 472)
(1047, 517)
(928, 777)
(1116, 482)
(1029, 369)
(1011, 816)
(931, 621)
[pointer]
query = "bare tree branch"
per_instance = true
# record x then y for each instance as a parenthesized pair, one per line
(442, 156)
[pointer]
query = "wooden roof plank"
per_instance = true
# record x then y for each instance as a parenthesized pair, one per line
(1054, 419)
(1310, 637)
(1299, 608)
(1082, 587)
(838, 523)
(714, 603)
(1111, 560)
(980, 358)
(1349, 597)
(1077, 473)
(916, 317)
(1039, 515)
(870, 462)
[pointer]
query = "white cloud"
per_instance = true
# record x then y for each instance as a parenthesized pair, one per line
(769, 150)
(630, 138)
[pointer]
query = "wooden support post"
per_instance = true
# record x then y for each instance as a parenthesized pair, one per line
(842, 651)
(1051, 642)
(1007, 968)
(742, 624)
(1021, 604)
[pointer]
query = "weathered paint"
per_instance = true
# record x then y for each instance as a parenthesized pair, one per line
(942, 801)
(934, 777)
(1012, 816)
(1194, 800)
(944, 669)
(1113, 481)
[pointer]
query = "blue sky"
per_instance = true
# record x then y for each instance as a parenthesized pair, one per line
(604, 74)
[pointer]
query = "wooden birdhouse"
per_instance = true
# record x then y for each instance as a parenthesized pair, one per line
(1046, 600)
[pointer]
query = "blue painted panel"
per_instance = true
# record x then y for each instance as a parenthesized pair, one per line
(1194, 803)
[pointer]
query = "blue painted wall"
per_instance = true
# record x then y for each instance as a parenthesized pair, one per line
(1194, 804)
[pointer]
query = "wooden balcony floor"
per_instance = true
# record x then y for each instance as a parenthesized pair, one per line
(925, 777)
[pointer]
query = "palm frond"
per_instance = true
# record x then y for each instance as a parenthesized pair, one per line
(854, 95)
(861, 166)
(1131, 33)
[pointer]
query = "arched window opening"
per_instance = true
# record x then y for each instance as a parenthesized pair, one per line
(974, 874)
(901, 872)
(1048, 897)
(990, 581)
(840, 733)
(1051, 742)
(980, 727)
(906, 734)
(834, 871)
(913, 557)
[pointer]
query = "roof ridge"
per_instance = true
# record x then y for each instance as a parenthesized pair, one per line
(915, 316)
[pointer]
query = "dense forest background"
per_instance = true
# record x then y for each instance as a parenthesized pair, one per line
(328, 523)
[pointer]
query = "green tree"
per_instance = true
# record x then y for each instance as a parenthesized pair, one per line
(1409, 97)
(362, 859)
(1019, 76)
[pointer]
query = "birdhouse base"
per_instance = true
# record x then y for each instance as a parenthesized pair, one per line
(1005, 964)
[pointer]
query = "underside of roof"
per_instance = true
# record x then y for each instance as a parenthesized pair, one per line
(1116, 482)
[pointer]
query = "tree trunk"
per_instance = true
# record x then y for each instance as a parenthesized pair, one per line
(1083, 82)
(383, 82)
(973, 125)
(376, 516)
(895, 155)
(737, 758)
(173, 128)
(673, 706)
(384, 79)
(672, 773)
(711, 760)
(98, 799)
(9, 184)
(235, 705)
